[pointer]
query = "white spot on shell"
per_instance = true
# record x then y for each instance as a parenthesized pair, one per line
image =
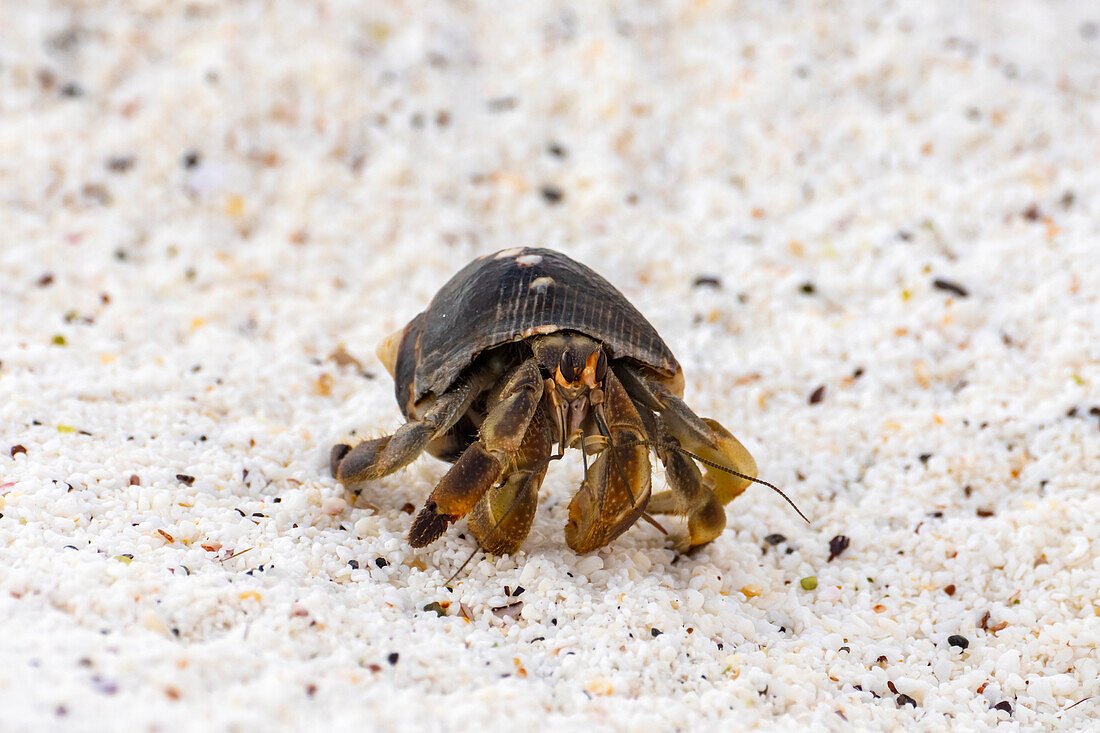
(528, 260)
(539, 329)
(540, 284)
(506, 253)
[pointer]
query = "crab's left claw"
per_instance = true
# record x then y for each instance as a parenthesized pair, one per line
(611, 498)
(616, 487)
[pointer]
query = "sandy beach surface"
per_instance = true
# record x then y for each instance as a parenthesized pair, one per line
(868, 231)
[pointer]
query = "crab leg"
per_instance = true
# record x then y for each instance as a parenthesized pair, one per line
(689, 496)
(481, 464)
(373, 459)
(702, 436)
(617, 485)
(502, 519)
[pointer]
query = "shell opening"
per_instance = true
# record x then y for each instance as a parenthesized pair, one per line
(387, 350)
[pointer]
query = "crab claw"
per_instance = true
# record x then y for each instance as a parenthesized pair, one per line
(612, 496)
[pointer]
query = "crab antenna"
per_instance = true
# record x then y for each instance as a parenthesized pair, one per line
(720, 467)
(649, 518)
(464, 564)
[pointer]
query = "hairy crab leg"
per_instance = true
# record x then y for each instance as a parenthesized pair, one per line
(481, 464)
(702, 436)
(502, 518)
(373, 459)
(688, 496)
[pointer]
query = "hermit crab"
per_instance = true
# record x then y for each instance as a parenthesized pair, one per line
(524, 351)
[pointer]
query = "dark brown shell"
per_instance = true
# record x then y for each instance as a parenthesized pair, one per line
(509, 296)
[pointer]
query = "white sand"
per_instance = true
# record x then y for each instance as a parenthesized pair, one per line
(349, 158)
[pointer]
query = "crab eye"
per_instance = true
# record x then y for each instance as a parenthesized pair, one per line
(601, 367)
(567, 368)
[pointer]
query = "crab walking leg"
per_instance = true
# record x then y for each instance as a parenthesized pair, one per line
(616, 488)
(689, 496)
(481, 464)
(373, 459)
(700, 435)
(725, 450)
(501, 520)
